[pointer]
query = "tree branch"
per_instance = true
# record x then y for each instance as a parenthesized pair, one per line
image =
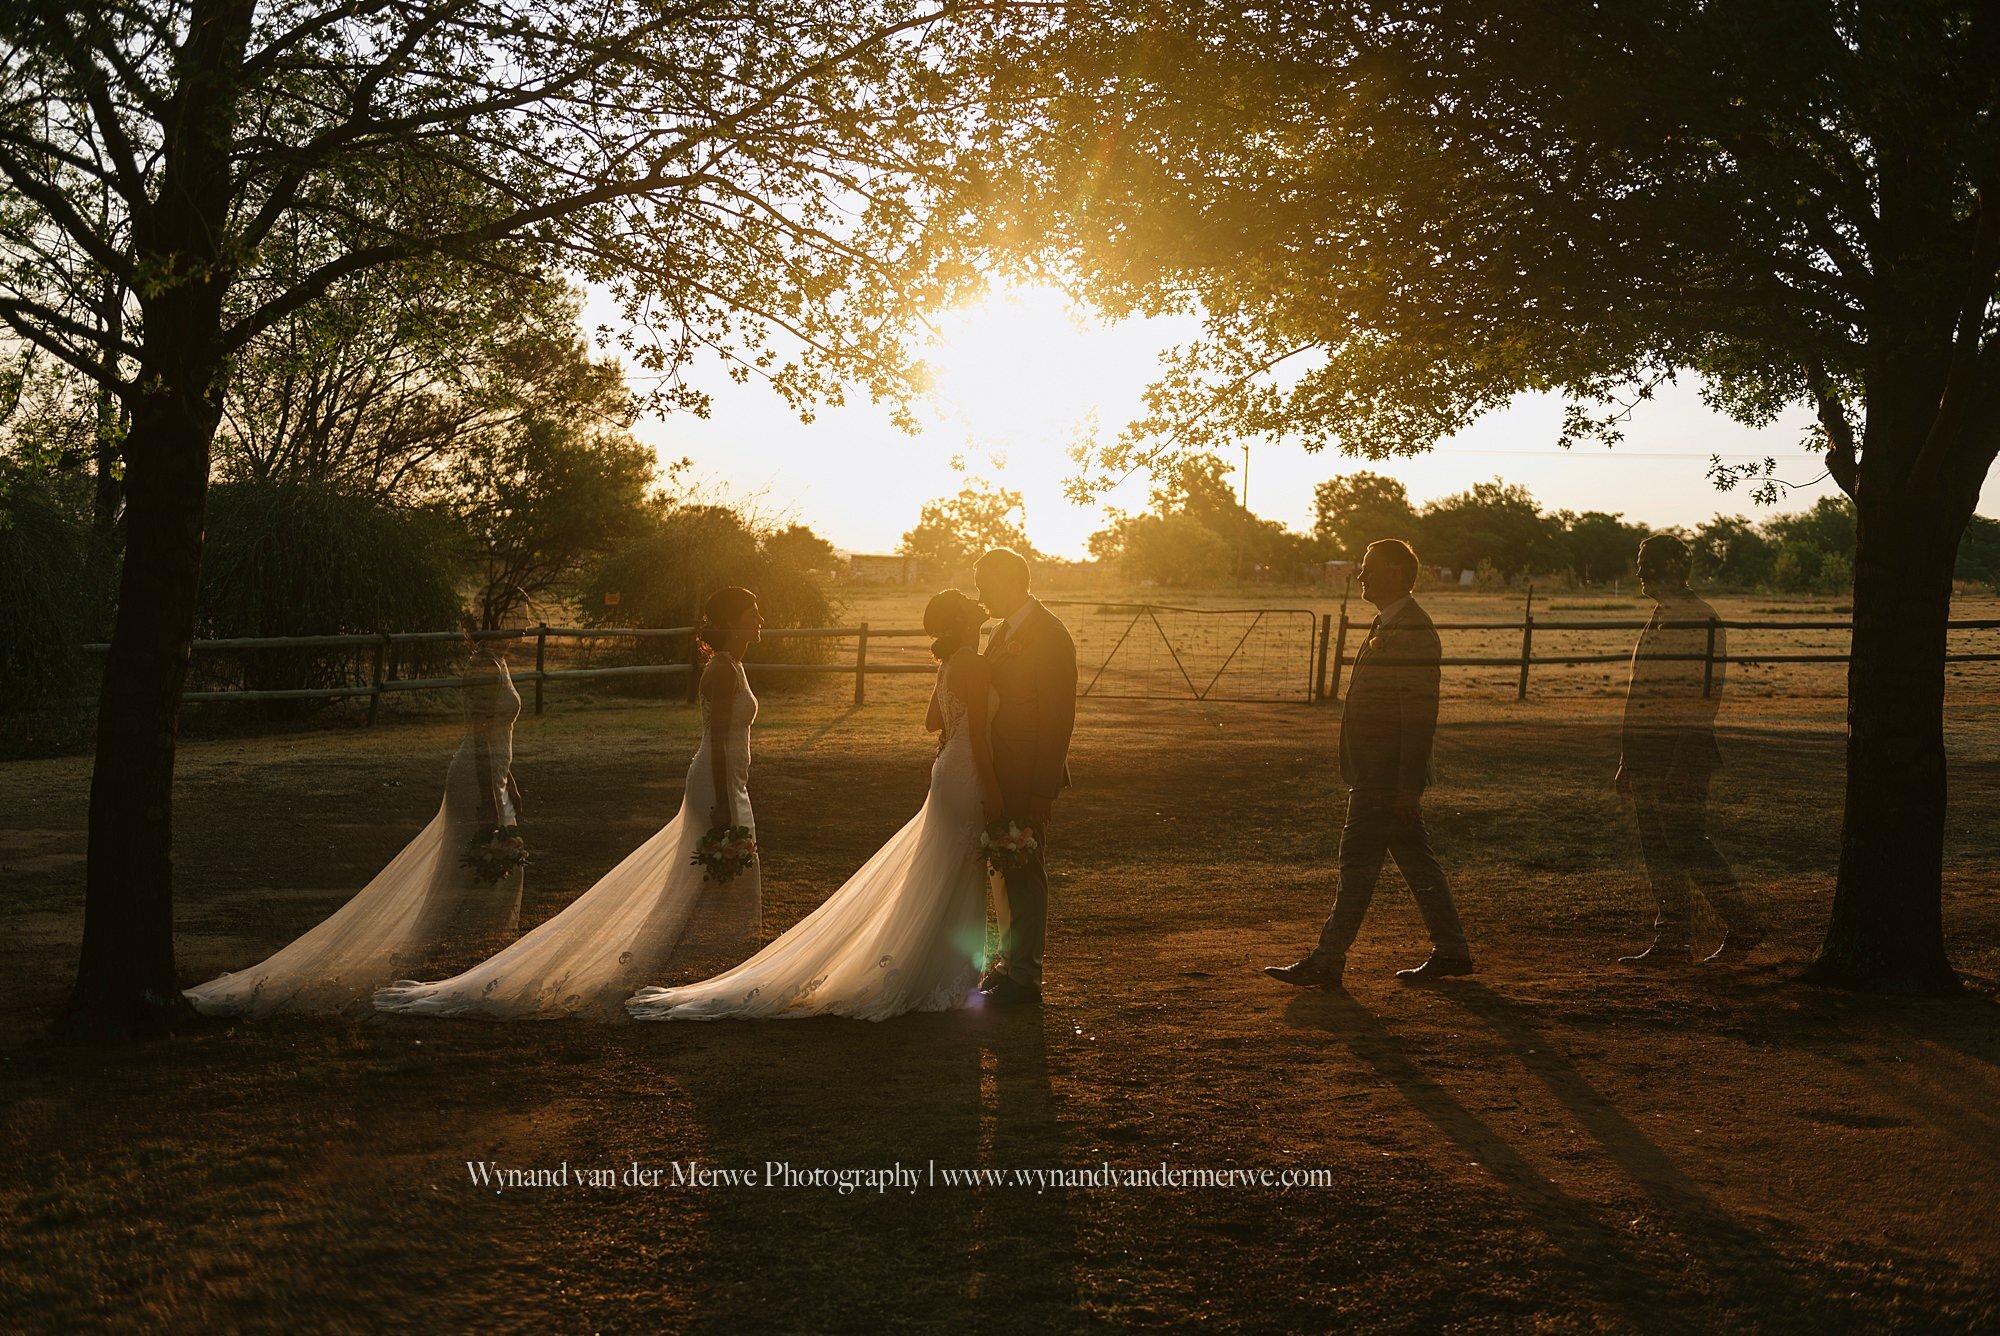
(315, 284)
(31, 321)
(58, 208)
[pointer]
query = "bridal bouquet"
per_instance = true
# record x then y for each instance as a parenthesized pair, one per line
(725, 851)
(1005, 846)
(494, 853)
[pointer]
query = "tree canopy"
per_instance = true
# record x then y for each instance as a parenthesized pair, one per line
(1394, 216)
(952, 531)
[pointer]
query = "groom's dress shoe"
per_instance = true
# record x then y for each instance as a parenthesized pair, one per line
(1305, 974)
(1437, 967)
(1007, 991)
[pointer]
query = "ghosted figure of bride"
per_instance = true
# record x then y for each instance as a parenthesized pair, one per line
(427, 906)
(906, 931)
(1668, 756)
(656, 912)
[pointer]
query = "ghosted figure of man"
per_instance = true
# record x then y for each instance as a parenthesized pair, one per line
(1669, 755)
(1387, 725)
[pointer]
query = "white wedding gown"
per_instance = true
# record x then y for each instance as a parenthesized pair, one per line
(422, 905)
(653, 913)
(906, 933)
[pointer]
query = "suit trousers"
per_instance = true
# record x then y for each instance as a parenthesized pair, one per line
(1673, 837)
(1024, 926)
(1373, 832)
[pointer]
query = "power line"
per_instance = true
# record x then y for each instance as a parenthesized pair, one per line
(1608, 454)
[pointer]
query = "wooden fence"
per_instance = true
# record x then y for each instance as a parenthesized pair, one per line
(384, 656)
(1328, 659)
(1334, 631)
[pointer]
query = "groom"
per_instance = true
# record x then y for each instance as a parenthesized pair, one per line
(1386, 729)
(1033, 663)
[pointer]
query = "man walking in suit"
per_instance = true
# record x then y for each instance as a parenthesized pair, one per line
(1669, 755)
(1387, 725)
(1033, 662)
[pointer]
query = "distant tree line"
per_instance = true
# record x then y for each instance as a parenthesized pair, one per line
(442, 447)
(1196, 531)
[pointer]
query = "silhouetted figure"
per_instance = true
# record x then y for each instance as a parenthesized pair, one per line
(1669, 755)
(1387, 725)
(1033, 663)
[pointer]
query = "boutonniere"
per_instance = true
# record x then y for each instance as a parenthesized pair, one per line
(1375, 641)
(1011, 648)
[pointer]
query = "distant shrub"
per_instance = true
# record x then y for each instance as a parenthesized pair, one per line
(293, 559)
(51, 601)
(662, 576)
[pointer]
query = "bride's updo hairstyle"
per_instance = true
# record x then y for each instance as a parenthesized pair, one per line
(952, 619)
(724, 609)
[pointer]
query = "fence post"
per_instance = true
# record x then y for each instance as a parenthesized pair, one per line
(1325, 644)
(375, 699)
(1527, 642)
(1708, 663)
(861, 666)
(694, 667)
(541, 661)
(1340, 643)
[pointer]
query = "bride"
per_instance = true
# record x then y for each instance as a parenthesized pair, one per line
(425, 903)
(906, 931)
(656, 911)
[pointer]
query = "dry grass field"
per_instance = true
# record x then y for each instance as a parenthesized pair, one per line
(1555, 1144)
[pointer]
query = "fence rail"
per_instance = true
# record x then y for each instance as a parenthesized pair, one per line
(1327, 656)
(1335, 628)
(385, 682)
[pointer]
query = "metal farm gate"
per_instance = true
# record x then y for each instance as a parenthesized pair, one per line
(1150, 651)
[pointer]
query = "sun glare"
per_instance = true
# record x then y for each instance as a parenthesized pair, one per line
(1019, 373)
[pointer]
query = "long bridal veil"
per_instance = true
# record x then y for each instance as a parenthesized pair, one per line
(905, 933)
(652, 914)
(422, 908)
(871, 951)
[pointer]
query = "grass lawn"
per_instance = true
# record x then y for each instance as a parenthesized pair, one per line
(1555, 1144)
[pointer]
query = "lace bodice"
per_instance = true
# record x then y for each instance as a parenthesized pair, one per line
(954, 710)
(953, 707)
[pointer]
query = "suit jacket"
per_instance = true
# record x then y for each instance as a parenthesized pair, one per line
(1669, 725)
(1034, 675)
(1389, 719)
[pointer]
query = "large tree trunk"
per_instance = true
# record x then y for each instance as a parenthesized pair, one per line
(1886, 933)
(126, 983)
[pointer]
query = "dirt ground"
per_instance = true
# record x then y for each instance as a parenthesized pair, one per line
(1556, 1144)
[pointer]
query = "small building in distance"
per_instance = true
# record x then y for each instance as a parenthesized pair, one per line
(887, 568)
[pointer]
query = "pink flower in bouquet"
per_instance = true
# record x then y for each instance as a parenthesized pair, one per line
(1006, 846)
(724, 852)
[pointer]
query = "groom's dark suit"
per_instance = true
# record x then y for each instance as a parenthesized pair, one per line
(1034, 675)
(1387, 724)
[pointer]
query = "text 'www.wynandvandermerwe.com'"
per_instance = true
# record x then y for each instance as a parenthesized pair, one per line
(692, 1175)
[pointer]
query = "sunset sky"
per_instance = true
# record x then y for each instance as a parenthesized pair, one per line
(1018, 375)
